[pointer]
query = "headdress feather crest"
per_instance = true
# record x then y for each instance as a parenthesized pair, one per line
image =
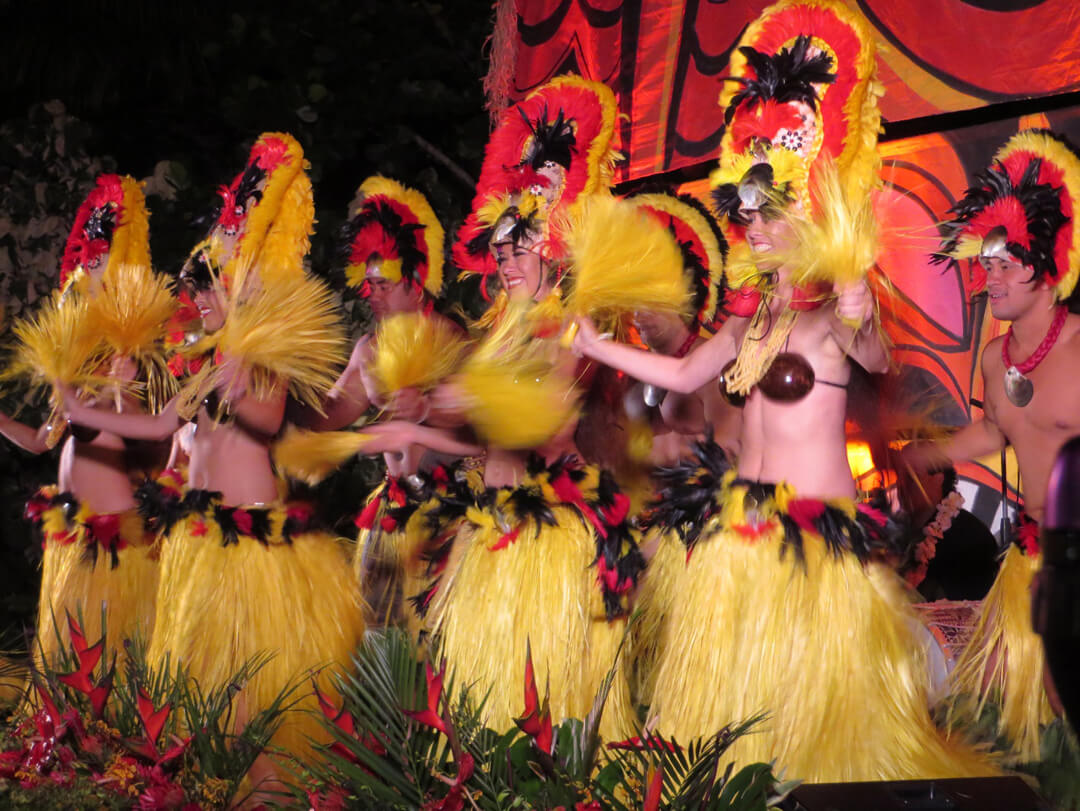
(568, 123)
(1030, 191)
(800, 60)
(111, 220)
(397, 225)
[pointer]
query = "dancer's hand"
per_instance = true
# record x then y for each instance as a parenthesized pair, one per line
(409, 404)
(855, 304)
(586, 336)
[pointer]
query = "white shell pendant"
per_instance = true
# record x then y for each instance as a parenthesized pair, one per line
(1017, 387)
(653, 395)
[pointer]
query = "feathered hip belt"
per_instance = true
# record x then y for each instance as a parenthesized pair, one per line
(63, 519)
(700, 497)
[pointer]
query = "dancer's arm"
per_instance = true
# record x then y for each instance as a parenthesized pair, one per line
(27, 438)
(396, 435)
(864, 344)
(347, 401)
(132, 425)
(683, 375)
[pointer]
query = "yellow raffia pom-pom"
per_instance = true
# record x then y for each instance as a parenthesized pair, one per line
(413, 350)
(840, 243)
(515, 396)
(131, 307)
(311, 456)
(131, 237)
(621, 260)
(287, 333)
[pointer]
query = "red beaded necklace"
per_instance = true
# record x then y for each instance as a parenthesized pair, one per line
(1018, 388)
(689, 342)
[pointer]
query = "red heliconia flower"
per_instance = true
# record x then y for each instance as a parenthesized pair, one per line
(536, 722)
(430, 716)
(153, 721)
(87, 656)
(455, 797)
(652, 794)
(635, 744)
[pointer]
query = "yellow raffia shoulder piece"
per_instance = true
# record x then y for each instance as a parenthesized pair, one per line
(311, 456)
(131, 307)
(839, 244)
(620, 260)
(1063, 158)
(413, 350)
(417, 203)
(287, 333)
(515, 396)
(277, 233)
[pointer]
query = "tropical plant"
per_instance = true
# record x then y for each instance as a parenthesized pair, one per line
(88, 736)
(405, 737)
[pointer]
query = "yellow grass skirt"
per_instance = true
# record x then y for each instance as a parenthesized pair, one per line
(515, 581)
(93, 566)
(1004, 659)
(824, 645)
(227, 598)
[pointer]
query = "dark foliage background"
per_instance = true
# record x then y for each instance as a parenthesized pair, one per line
(176, 93)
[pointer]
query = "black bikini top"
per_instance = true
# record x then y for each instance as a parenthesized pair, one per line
(789, 378)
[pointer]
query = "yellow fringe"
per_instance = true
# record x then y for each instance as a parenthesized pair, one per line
(125, 595)
(413, 350)
(311, 456)
(286, 333)
(417, 203)
(657, 591)
(621, 260)
(829, 652)
(1004, 660)
(220, 606)
(515, 396)
(538, 591)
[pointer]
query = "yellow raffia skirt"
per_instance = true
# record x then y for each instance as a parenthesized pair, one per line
(230, 593)
(100, 567)
(763, 617)
(1004, 660)
(513, 583)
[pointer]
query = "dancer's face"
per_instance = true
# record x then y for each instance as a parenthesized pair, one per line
(388, 298)
(211, 308)
(1012, 290)
(521, 271)
(768, 236)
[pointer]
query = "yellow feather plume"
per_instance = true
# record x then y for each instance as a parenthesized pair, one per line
(285, 333)
(131, 308)
(621, 260)
(840, 243)
(311, 456)
(131, 238)
(515, 397)
(413, 350)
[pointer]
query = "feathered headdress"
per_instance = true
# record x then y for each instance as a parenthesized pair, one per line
(1022, 207)
(801, 90)
(111, 226)
(702, 244)
(557, 143)
(395, 230)
(267, 209)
